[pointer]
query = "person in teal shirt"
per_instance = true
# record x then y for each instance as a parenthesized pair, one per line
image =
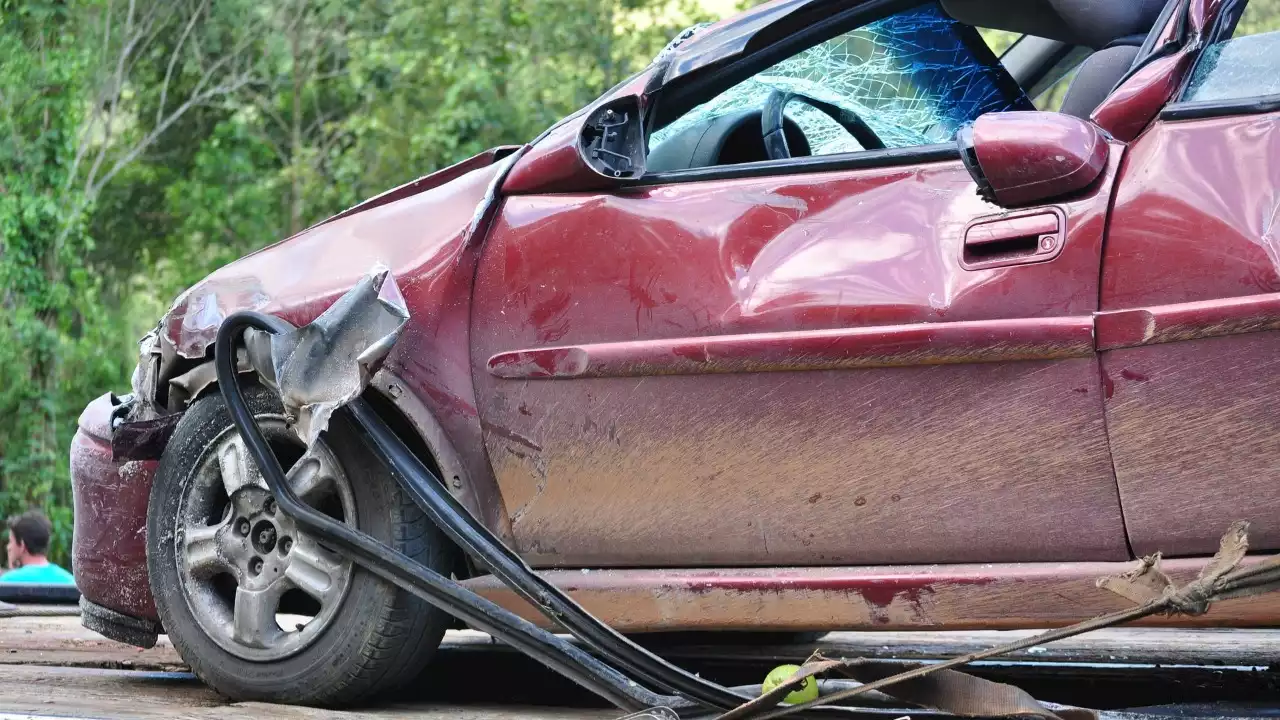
(28, 543)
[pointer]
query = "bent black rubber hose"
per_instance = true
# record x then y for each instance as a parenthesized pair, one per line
(401, 570)
(397, 568)
(481, 544)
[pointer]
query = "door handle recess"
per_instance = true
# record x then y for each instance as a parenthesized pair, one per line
(1031, 237)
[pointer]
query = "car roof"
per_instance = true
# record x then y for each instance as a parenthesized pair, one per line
(730, 37)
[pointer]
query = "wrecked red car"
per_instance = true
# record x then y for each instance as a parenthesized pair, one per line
(830, 318)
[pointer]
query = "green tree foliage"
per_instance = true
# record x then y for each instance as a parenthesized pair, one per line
(57, 348)
(143, 143)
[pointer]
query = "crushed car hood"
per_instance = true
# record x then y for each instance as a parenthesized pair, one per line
(421, 223)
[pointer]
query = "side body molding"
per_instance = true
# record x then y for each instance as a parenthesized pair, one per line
(897, 345)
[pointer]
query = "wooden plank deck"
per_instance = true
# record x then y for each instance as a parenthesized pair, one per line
(62, 641)
(51, 666)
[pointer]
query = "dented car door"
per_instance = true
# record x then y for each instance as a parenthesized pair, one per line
(1190, 328)
(843, 358)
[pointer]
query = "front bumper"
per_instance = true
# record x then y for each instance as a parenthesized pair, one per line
(109, 550)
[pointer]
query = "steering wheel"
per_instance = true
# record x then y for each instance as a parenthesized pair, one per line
(775, 140)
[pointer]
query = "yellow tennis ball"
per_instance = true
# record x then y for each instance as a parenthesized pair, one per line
(806, 692)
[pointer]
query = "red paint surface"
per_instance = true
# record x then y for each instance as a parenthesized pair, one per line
(1187, 321)
(432, 180)
(1197, 214)
(882, 346)
(1030, 157)
(1131, 107)
(1195, 437)
(986, 596)
(637, 466)
(422, 240)
(554, 163)
(109, 548)
(982, 418)
(1191, 301)
(802, 252)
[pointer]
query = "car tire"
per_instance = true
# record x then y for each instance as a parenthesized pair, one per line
(375, 636)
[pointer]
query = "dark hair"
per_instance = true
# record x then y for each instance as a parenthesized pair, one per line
(32, 529)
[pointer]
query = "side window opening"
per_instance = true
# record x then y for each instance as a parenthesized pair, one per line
(1049, 93)
(1050, 86)
(913, 78)
(999, 40)
(1244, 61)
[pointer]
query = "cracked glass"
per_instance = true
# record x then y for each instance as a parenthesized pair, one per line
(1244, 65)
(914, 78)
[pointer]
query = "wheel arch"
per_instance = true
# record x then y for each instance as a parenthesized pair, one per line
(421, 430)
(417, 426)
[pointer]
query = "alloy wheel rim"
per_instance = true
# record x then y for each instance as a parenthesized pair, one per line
(250, 576)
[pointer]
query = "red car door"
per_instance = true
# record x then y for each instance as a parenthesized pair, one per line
(813, 360)
(1190, 331)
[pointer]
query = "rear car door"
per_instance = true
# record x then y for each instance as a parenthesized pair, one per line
(1190, 328)
(809, 360)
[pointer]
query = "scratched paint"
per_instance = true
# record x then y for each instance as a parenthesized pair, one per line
(1195, 435)
(626, 464)
(1191, 255)
(827, 467)
(958, 597)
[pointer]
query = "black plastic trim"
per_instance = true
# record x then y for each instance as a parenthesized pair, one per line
(890, 157)
(1148, 45)
(1221, 108)
(39, 593)
(127, 629)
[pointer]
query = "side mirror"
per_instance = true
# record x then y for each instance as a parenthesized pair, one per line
(612, 141)
(593, 150)
(1020, 158)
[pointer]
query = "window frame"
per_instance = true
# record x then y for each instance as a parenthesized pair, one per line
(672, 101)
(1222, 29)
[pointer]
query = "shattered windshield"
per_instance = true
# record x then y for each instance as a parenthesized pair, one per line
(914, 78)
